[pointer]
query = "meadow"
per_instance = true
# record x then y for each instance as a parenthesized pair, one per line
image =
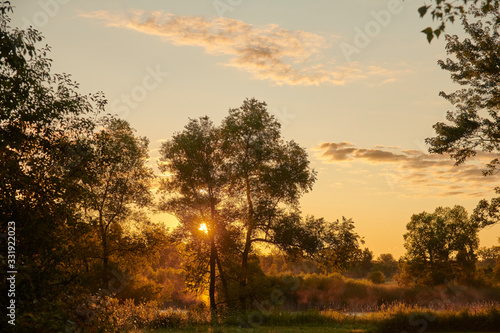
(311, 303)
(398, 317)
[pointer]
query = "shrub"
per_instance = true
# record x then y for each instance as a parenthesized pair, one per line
(377, 277)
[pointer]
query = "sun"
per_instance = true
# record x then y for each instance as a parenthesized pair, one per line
(203, 227)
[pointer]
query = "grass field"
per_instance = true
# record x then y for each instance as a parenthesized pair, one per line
(128, 317)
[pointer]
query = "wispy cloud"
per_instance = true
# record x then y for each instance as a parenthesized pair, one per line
(290, 57)
(419, 172)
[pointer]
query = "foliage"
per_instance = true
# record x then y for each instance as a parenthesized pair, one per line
(376, 277)
(487, 213)
(43, 120)
(341, 246)
(267, 177)
(489, 264)
(195, 191)
(446, 11)
(475, 122)
(488, 255)
(386, 264)
(441, 246)
(332, 246)
(240, 179)
(115, 187)
(72, 181)
(477, 69)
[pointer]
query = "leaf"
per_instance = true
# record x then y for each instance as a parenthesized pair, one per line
(428, 31)
(422, 10)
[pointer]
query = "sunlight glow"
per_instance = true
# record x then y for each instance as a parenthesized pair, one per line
(203, 227)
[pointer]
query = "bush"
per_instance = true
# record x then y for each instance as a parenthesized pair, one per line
(377, 277)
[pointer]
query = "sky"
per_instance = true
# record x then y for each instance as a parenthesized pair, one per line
(354, 82)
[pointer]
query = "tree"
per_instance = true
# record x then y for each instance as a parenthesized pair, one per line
(489, 263)
(488, 255)
(116, 185)
(332, 246)
(242, 181)
(487, 213)
(195, 189)
(267, 175)
(377, 277)
(340, 249)
(446, 11)
(386, 264)
(475, 123)
(43, 120)
(441, 246)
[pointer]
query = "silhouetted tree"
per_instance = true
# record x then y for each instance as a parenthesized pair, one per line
(61, 176)
(441, 246)
(115, 187)
(475, 123)
(44, 122)
(195, 190)
(334, 246)
(386, 264)
(267, 175)
(242, 180)
(445, 11)
(341, 246)
(376, 277)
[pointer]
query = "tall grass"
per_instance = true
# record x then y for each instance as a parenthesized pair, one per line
(484, 317)
(318, 300)
(346, 294)
(108, 314)
(112, 316)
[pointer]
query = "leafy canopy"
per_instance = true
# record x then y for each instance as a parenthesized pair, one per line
(447, 11)
(474, 124)
(441, 245)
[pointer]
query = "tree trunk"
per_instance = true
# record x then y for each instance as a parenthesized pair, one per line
(248, 246)
(244, 270)
(105, 252)
(213, 258)
(105, 261)
(213, 305)
(222, 277)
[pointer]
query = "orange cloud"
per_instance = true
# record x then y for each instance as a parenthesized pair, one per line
(419, 172)
(291, 57)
